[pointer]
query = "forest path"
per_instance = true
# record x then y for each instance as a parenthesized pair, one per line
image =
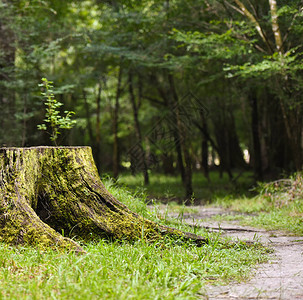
(280, 278)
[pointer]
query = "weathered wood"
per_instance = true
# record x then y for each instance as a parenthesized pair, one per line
(50, 196)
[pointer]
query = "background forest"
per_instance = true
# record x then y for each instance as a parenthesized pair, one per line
(173, 86)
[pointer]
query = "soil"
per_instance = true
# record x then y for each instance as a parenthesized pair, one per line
(280, 278)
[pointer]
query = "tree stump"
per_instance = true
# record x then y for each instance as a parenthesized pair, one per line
(51, 195)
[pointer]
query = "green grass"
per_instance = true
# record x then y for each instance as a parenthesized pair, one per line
(266, 214)
(169, 188)
(123, 270)
(279, 220)
(273, 209)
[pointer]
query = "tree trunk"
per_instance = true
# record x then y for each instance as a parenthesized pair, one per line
(257, 157)
(115, 126)
(88, 118)
(142, 154)
(221, 128)
(204, 148)
(183, 141)
(176, 134)
(48, 191)
(7, 94)
(98, 129)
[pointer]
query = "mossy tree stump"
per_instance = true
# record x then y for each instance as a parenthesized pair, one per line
(48, 191)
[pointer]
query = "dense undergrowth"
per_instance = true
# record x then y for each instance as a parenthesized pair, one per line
(124, 270)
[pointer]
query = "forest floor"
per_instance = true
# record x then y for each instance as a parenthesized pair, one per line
(280, 278)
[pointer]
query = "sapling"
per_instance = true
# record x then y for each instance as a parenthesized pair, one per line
(54, 122)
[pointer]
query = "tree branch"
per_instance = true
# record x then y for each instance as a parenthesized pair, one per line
(275, 25)
(251, 17)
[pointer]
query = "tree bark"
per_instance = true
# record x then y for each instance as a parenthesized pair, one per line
(204, 148)
(88, 118)
(244, 11)
(257, 157)
(48, 191)
(135, 106)
(98, 128)
(181, 131)
(7, 95)
(275, 25)
(176, 134)
(115, 126)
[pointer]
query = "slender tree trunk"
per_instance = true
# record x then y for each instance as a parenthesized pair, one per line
(115, 126)
(204, 148)
(24, 125)
(204, 157)
(142, 154)
(187, 180)
(288, 116)
(88, 118)
(291, 129)
(7, 95)
(48, 191)
(220, 122)
(97, 149)
(275, 26)
(257, 157)
(168, 164)
(176, 134)
(244, 11)
(177, 138)
(236, 156)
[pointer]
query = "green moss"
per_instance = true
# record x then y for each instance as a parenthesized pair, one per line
(50, 190)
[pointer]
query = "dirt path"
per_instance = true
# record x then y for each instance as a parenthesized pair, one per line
(281, 278)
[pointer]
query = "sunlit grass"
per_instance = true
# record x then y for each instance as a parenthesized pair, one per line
(273, 213)
(170, 188)
(262, 212)
(123, 270)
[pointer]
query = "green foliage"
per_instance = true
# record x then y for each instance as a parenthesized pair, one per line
(54, 122)
(207, 46)
(275, 64)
